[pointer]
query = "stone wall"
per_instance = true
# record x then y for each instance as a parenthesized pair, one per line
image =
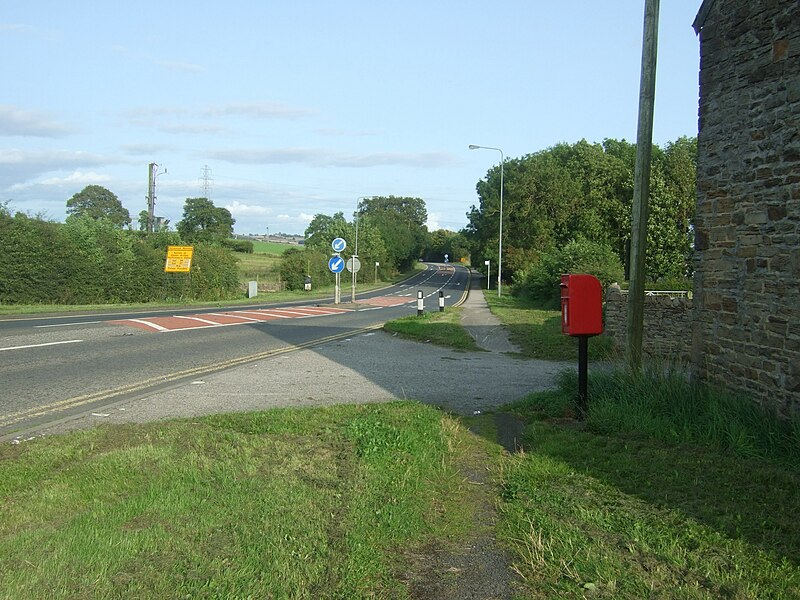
(667, 331)
(747, 230)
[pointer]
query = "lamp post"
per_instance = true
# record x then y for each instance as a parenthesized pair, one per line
(500, 247)
(355, 255)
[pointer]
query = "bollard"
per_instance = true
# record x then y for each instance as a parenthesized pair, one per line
(441, 301)
(420, 306)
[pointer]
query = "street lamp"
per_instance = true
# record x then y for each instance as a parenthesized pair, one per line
(500, 251)
(355, 255)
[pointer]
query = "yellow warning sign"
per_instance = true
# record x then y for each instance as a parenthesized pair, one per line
(179, 259)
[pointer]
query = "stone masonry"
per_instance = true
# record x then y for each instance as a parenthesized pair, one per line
(746, 330)
(667, 325)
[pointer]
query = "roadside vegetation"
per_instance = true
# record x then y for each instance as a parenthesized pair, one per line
(667, 488)
(284, 504)
(338, 502)
(441, 328)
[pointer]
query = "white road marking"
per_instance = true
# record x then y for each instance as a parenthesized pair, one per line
(198, 319)
(40, 345)
(67, 324)
(155, 326)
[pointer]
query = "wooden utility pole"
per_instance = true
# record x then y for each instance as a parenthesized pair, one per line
(641, 186)
(151, 196)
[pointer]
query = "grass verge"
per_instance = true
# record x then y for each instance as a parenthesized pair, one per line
(282, 504)
(537, 331)
(441, 328)
(668, 490)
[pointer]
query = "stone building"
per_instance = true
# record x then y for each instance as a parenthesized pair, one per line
(746, 321)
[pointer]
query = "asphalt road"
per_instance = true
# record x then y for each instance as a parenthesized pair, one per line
(53, 367)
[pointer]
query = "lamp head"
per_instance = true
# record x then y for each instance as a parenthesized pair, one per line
(473, 147)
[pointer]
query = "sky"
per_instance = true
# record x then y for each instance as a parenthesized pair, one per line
(300, 108)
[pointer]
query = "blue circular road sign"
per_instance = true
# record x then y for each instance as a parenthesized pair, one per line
(338, 244)
(336, 264)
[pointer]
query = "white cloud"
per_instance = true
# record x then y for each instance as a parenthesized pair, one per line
(253, 110)
(239, 209)
(77, 177)
(259, 110)
(433, 221)
(323, 158)
(22, 165)
(301, 218)
(15, 121)
(189, 128)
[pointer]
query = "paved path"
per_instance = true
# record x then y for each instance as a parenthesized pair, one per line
(481, 324)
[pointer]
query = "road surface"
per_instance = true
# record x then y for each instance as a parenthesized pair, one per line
(51, 367)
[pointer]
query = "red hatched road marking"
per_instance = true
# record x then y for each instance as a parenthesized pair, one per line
(385, 301)
(228, 318)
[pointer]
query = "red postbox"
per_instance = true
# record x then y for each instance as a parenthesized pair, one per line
(581, 305)
(582, 317)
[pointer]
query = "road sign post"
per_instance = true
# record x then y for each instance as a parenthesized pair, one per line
(336, 265)
(354, 266)
(488, 264)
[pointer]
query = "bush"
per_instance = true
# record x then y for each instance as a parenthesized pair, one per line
(91, 261)
(541, 281)
(296, 264)
(244, 246)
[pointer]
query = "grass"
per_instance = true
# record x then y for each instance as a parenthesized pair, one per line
(668, 490)
(590, 515)
(537, 331)
(282, 504)
(259, 267)
(335, 502)
(441, 328)
(275, 248)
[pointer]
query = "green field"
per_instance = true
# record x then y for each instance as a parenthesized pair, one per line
(263, 264)
(260, 247)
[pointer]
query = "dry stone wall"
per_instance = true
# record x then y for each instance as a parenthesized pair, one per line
(667, 333)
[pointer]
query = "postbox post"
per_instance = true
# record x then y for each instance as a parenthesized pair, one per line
(581, 317)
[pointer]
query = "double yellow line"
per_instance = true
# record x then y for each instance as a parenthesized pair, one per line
(153, 382)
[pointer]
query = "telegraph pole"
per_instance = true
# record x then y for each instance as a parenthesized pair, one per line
(152, 175)
(151, 195)
(641, 186)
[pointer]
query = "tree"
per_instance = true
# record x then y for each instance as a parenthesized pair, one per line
(323, 229)
(202, 221)
(585, 191)
(96, 202)
(401, 223)
(443, 241)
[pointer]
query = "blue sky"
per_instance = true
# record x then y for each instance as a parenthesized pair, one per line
(301, 107)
